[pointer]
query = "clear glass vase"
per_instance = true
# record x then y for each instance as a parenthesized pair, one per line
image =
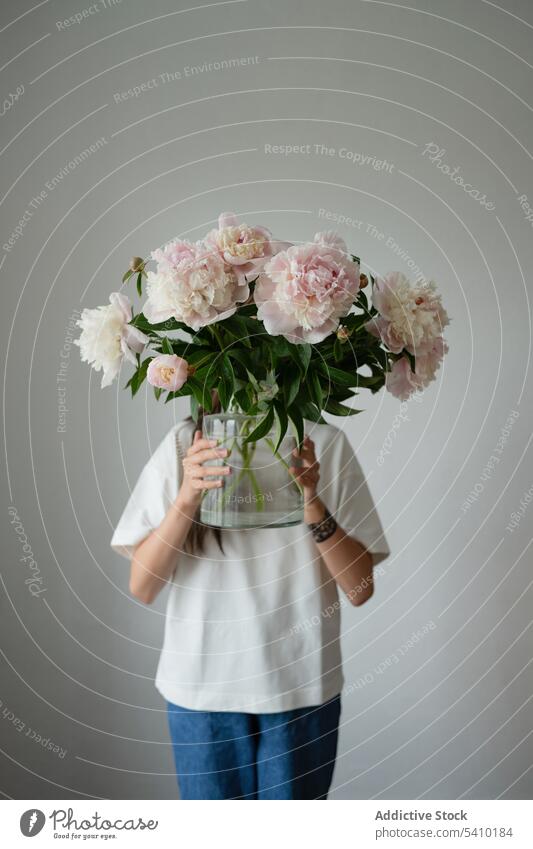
(259, 492)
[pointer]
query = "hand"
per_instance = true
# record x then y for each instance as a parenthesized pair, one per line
(194, 472)
(308, 474)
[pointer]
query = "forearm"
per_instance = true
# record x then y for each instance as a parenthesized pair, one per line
(347, 560)
(155, 558)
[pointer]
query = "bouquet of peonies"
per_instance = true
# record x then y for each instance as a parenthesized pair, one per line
(281, 332)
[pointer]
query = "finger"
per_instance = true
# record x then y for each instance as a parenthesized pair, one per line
(304, 475)
(206, 471)
(203, 454)
(306, 451)
(199, 484)
(200, 443)
(306, 464)
(298, 472)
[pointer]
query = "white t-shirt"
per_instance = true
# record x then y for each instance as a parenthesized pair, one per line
(255, 629)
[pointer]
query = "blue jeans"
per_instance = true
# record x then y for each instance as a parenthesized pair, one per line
(226, 755)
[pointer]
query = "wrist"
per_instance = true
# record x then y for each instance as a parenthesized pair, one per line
(314, 510)
(187, 505)
(324, 528)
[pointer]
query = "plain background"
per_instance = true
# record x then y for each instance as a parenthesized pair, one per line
(444, 714)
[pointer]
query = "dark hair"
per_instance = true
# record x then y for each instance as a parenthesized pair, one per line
(195, 539)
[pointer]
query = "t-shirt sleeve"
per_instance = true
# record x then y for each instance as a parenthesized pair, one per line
(150, 499)
(355, 510)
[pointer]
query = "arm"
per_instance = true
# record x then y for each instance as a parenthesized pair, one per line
(154, 560)
(347, 560)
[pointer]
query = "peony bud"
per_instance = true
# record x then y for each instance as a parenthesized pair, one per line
(343, 334)
(363, 281)
(136, 263)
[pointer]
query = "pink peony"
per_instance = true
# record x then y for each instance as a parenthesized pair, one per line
(175, 255)
(401, 381)
(410, 317)
(304, 290)
(428, 363)
(240, 245)
(167, 371)
(192, 284)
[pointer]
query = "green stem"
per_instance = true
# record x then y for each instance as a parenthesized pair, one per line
(280, 459)
(246, 452)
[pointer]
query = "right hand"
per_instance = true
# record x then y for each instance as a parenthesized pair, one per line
(194, 472)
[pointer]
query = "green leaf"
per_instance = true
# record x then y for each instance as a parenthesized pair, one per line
(127, 275)
(242, 397)
(362, 300)
(224, 394)
(207, 376)
(227, 370)
(338, 376)
(136, 381)
(143, 324)
(311, 412)
(337, 409)
(166, 346)
(226, 383)
(282, 423)
(291, 385)
(355, 321)
(262, 428)
(194, 408)
(279, 346)
(412, 360)
(314, 388)
(139, 284)
(248, 310)
(195, 356)
(297, 422)
(381, 357)
(301, 355)
(157, 392)
(244, 329)
(366, 382)
(342, 394)
(241, 356)
(181, 393)
(338, 351)
(201, 392)
(253, 381)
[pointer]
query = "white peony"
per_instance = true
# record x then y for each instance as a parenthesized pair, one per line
(106, 337)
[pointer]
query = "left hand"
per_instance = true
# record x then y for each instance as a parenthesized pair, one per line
(308, 474)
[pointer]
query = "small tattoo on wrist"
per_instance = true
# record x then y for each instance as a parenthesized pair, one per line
(325, 529)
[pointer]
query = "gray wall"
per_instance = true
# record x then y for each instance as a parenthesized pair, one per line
(444, 714)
